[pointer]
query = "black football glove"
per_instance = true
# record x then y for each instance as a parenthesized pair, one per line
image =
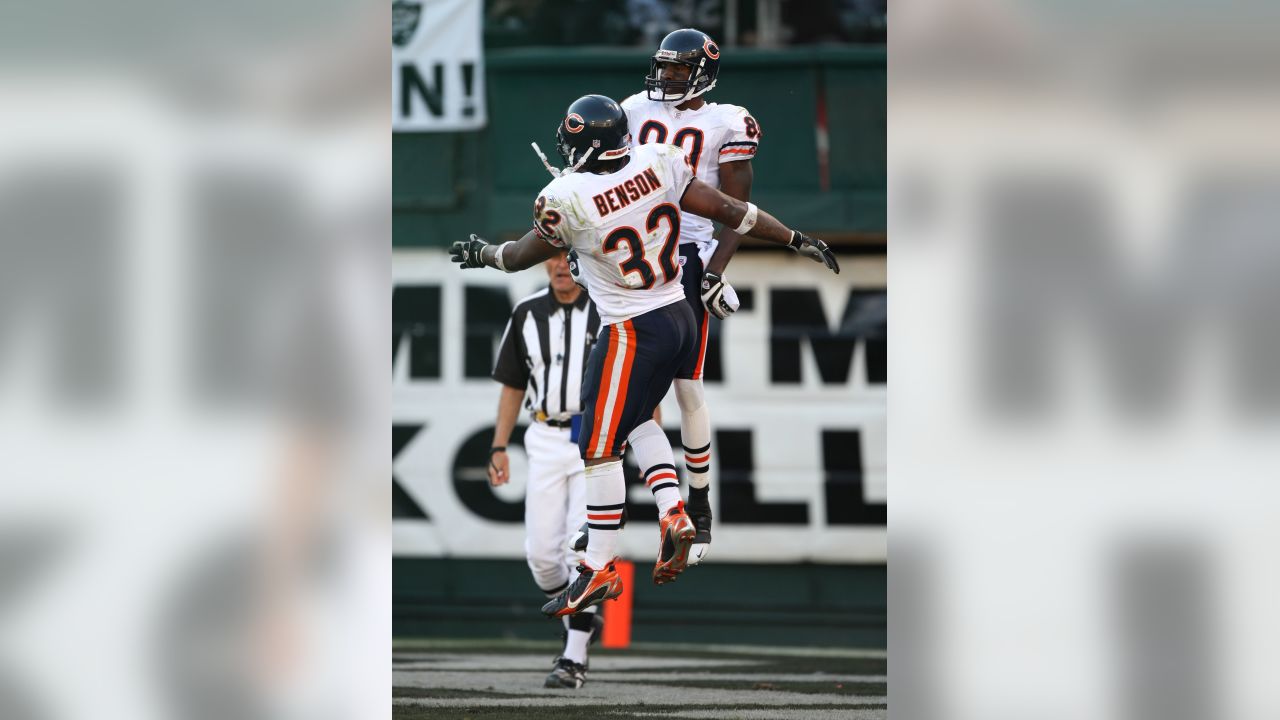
(575, 270)
(467, 252)
(814, 249)
(718, 296)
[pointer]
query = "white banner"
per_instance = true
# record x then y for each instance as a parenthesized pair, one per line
(795, 386)
(437, 65)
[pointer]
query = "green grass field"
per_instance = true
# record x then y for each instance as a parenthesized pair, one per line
(456, 679)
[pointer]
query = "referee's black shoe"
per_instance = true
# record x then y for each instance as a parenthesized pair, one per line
(566, 674)
(578, 542)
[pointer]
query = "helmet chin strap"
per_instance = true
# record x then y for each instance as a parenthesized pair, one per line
(556, 172)
(703, 90)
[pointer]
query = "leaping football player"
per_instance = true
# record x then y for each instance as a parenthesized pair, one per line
(719, 142)
(621, 208)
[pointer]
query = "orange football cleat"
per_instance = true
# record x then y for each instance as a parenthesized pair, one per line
(677, 533)
(591, 587)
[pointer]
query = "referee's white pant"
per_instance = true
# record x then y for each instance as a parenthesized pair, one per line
(555, 505)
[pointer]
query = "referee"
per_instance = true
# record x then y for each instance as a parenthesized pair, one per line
(540, 366)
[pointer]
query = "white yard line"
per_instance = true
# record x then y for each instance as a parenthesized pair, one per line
(405, 647)
(637, 683)
(735, 677)
(447, 661)
(774, 714)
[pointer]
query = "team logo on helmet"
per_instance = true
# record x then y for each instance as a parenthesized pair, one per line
(712, 50)
(574, 123)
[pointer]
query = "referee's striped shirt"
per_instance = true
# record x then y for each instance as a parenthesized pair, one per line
(544, 352)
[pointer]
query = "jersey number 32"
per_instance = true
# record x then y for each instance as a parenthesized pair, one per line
(636, 262)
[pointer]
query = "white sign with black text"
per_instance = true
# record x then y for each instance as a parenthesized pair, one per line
(437, 65)
(796, 385)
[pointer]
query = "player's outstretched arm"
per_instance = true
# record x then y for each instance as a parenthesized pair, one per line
(746, 219)
(509, 257)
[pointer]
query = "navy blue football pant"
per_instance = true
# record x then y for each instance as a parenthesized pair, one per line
(629, 372)
(691, 279)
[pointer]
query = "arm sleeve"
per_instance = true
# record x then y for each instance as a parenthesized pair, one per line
(510, 368)
(742, 137)
(549, 219)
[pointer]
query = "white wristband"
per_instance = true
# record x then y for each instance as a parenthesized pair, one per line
(497, 257)
(748, 220)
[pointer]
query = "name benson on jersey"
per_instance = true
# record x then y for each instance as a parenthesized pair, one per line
(623, 195)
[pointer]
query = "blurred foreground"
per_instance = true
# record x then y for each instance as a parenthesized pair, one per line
(1085, 364)
(193, 400)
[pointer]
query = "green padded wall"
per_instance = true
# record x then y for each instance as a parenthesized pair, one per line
(791, 604)
(449, 184)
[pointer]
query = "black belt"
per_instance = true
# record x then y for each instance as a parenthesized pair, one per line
(557, 423)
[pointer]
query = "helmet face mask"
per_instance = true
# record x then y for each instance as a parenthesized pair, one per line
(693, 49)
(670, 90)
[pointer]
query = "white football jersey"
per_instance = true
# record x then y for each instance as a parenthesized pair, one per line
(710, 135)
(625, 227)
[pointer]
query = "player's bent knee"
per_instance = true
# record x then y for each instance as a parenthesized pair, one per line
(689, 394)
(645, 429)
(546, 565)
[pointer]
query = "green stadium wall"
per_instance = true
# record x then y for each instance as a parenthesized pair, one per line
(798, 604)
(447, 185)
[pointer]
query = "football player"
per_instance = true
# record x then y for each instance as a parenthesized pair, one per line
(621, 209)
(719, 141)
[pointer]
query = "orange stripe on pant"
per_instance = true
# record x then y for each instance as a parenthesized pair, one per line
(702, 345)
(602, 394)
(624, 382)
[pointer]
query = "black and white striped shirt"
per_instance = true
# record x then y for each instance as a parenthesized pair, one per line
(544, 352)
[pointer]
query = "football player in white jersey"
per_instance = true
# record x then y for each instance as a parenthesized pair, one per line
(621, 209)
(719, 141)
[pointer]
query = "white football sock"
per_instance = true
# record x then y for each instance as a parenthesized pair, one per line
(606, 497)
(695, 431)
(657, 464)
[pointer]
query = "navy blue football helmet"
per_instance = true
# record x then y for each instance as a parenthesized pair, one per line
(690, 47)
(595, 123)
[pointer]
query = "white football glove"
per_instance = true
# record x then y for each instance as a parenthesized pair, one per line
(718, 296)
(575, 270)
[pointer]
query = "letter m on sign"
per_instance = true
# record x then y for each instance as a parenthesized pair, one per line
(796, 315)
